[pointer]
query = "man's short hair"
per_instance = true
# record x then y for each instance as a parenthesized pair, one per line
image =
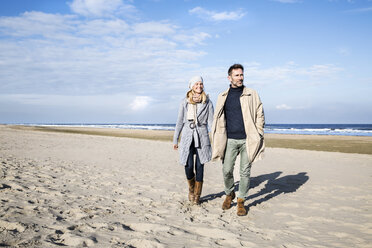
(234, 67)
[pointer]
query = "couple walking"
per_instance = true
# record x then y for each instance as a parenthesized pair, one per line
(236, 128)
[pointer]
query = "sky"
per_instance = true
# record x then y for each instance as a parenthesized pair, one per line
(129, 61)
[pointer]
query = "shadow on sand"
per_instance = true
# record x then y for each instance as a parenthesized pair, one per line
(275, 186)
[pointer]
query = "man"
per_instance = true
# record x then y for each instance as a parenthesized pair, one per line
(237, 129)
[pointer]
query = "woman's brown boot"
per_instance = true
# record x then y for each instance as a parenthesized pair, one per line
(191, 183)
(197, 192)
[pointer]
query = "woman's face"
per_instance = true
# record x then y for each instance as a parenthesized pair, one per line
(198, 87)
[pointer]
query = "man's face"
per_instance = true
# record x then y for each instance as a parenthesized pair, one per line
(236, 78)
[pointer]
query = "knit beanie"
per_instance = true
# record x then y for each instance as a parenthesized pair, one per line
(194, 80)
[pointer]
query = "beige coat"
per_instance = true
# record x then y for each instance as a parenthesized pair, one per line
(254, 121)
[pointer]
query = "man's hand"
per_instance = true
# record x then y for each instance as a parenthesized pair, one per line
(175, 147)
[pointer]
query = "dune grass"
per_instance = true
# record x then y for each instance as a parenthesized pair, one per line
(329, 143)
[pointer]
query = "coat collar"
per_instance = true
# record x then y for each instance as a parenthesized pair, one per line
(201, 107)
(246, 91)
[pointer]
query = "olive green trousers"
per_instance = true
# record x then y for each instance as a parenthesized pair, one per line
(235, 147)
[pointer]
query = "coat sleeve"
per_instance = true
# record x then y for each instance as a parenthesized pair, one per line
(260, 117)
(215, 117)
(179, 123)
(210, 115)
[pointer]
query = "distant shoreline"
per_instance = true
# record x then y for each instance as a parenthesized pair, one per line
(328, 143)
(302, 129)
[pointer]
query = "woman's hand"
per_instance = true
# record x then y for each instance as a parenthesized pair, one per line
(175, 147)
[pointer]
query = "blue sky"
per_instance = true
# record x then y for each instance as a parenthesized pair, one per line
(118, 61)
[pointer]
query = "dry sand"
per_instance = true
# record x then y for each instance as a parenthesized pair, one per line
(80, 190)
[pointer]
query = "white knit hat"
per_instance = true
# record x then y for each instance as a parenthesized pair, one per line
(194, 80)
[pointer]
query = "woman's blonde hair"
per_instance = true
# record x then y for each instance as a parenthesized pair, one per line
(203, 96)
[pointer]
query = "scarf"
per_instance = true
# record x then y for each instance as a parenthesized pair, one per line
(193, 100)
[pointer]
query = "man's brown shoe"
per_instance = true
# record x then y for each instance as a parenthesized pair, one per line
(227, 203)
(240, 208)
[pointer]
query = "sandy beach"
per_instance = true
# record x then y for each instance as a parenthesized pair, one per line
(112, 188)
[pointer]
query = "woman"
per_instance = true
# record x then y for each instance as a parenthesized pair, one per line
(194, 116)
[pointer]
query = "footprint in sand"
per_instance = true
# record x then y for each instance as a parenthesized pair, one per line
(11, 226)
(144, 243)
(62, 238)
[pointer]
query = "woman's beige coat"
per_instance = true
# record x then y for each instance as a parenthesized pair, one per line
(254, 121)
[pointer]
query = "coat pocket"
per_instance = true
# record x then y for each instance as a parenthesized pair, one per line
(221, 124)
(219, 144)
(255, 144)
(205, 141)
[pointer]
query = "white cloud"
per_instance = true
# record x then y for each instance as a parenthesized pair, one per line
(359, 10)
(344, 51)
(191, 40)
(349, 1)
(320, 70)
(140, 103)
(289, 73)
(283, 107)
(288, 107)
(43, 24)
(65, 54)
(122, 102)
(103, 27)
(154, 28)
(52, 108)
(100, 8)
(217, 16)
(95, 101)
(287, 1)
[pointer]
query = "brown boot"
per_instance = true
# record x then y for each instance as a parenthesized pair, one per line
(227, 203)
(240, 208)
(197, 192)
(191, 183)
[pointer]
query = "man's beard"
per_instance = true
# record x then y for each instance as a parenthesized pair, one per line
(239, 82)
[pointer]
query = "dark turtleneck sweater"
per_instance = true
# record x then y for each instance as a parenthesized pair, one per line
(233, 112)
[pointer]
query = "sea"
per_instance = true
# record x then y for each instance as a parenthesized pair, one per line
(307, 129)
